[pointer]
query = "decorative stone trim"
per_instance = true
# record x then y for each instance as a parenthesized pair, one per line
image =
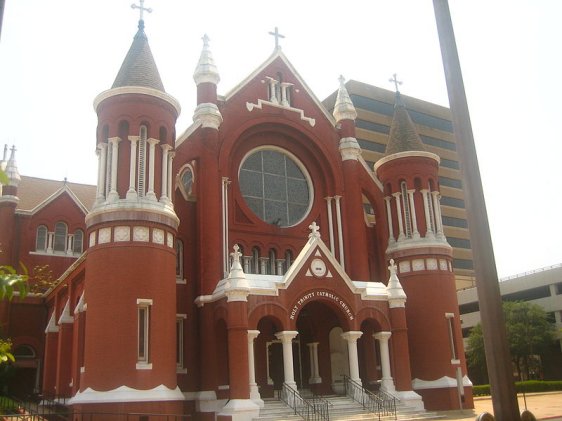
(157, 236)
(430, 264)
(122, 233)
(104, 235)
(140, 234)
(92, 242)
(261, 102)
(127, 394)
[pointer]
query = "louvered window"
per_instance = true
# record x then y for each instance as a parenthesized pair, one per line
(407, 213)
(141, 181)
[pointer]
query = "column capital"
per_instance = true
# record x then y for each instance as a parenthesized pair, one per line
(382, 336)
(114, 140)
(153, 141)
(352, 335)
(286, 336)
(252, 334)
(134, 138)
(166, 147)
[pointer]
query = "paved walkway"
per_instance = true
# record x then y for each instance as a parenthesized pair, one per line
(544, 406)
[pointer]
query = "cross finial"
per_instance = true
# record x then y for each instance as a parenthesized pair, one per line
(277, 35)
(314, 230)
(342, 80)
(205, 40)
(396, 82)
(141, 8)
(392, 268)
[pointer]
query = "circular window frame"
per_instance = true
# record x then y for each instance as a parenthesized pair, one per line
(297, 162)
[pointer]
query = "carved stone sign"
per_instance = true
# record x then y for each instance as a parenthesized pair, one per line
(321, 294)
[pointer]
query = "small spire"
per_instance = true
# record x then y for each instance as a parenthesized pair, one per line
(141, 10)
(4, 160)
(396, 294)
(314, 230)
(343, 108)
(12, 169)
(237, 287)
(206, 70)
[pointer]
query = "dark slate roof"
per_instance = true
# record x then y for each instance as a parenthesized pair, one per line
(403, 134)
(139, 68)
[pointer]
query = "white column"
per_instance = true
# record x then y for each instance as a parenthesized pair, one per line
(264, 262)
(50, 239)
(280, 263)
(387, 383)
(269, 379)
(314, 371)
(272, 90)
(428, 217)
(286, 338)
(437, 211)
(170, 180)
(415, 233)
(69, 243)
(399, 214)
(113, 194)
(351, 339)
(340, 230)
(391, 238)
(151, 157)
(331, 224)
(226, 260)
(164, 187)
(254, 392)
(247, 261)
(102, 150)
(132, 192)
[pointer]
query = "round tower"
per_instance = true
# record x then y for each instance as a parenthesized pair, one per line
(130, 288)
(409, 174)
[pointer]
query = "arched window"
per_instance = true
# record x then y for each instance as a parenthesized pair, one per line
(141, 180)
(406, 210)
(41, 239)
(179, 259)
(187, 179)
(61, 231)
(24, 352)
(77, 246)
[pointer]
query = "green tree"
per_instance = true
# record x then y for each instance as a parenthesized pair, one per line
(528, 333)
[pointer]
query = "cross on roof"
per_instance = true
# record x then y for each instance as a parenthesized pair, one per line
(141, 8)
(277, 35)
(314, 230)
(236, 254)
(395, 81)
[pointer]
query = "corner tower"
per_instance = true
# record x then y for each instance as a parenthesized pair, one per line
(130, 288)
(409, 174)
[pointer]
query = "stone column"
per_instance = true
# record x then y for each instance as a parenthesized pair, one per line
(151, 176)
(387, 381)
(254, 392)
(415, 232)
(314, 372)
(286, 337)
(351, 339)
(391, 238)
(132, 192)
(113, 193)
(428, 217)
(401, 235)
(164, 186)
(102, 150)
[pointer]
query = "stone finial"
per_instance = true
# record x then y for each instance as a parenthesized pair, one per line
(314, 230)
(344, 108)
(396, 295)
(206, 70)
(237, 288)
(4, 160)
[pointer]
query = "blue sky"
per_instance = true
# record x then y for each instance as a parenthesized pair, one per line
(57, 56)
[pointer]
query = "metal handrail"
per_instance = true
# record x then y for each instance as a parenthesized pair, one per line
(315, 409)
(379, 403)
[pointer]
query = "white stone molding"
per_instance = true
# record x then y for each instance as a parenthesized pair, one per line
(387, 383)
(240, 410)
(404, 266)
(151, 157)
(401, 235)
(351, 338)
(158, 236)
(92, 241)
(418, 264)
(442, 383)
(80, 306)
(170, 240)
(344, 108)
(330, 224)
(126, 90)
(206, 70)
(406, 154)
(208, 115)
(443, 264)
(349, 149)
(225, 228)
(431, 263)
(169, 180)
(254, 391)
(286, 337)
(132, 192)
(127, 394)
(340, 230)
(391, 239)
(65, 317)
(122, 233)
(140, 233)
(250, 106)
(52, 326)
(113, 194)
(415, 232)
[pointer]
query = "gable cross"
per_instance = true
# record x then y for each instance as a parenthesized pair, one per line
(236, 254)
(277, 35)
(141, 8)
(396, 82)
(314, 230)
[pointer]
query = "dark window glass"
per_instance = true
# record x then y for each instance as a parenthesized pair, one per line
(462, 243)
(463, 264)
(455, 222)
(41, 240)
(60, 236)
(450, 182)
(452, 201)
(469, 307)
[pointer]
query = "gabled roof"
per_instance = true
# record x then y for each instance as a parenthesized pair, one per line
(35, 193)
(139, 67)
(279, 54)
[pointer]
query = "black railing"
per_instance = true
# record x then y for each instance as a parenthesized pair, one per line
(379, 403)
(313, 409)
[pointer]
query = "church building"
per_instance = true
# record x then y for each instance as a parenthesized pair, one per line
(214, 266)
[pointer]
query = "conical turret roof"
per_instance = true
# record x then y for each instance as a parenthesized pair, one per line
(139, 68)
(403, 134)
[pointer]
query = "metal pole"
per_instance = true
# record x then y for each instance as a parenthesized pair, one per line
(498, 361)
